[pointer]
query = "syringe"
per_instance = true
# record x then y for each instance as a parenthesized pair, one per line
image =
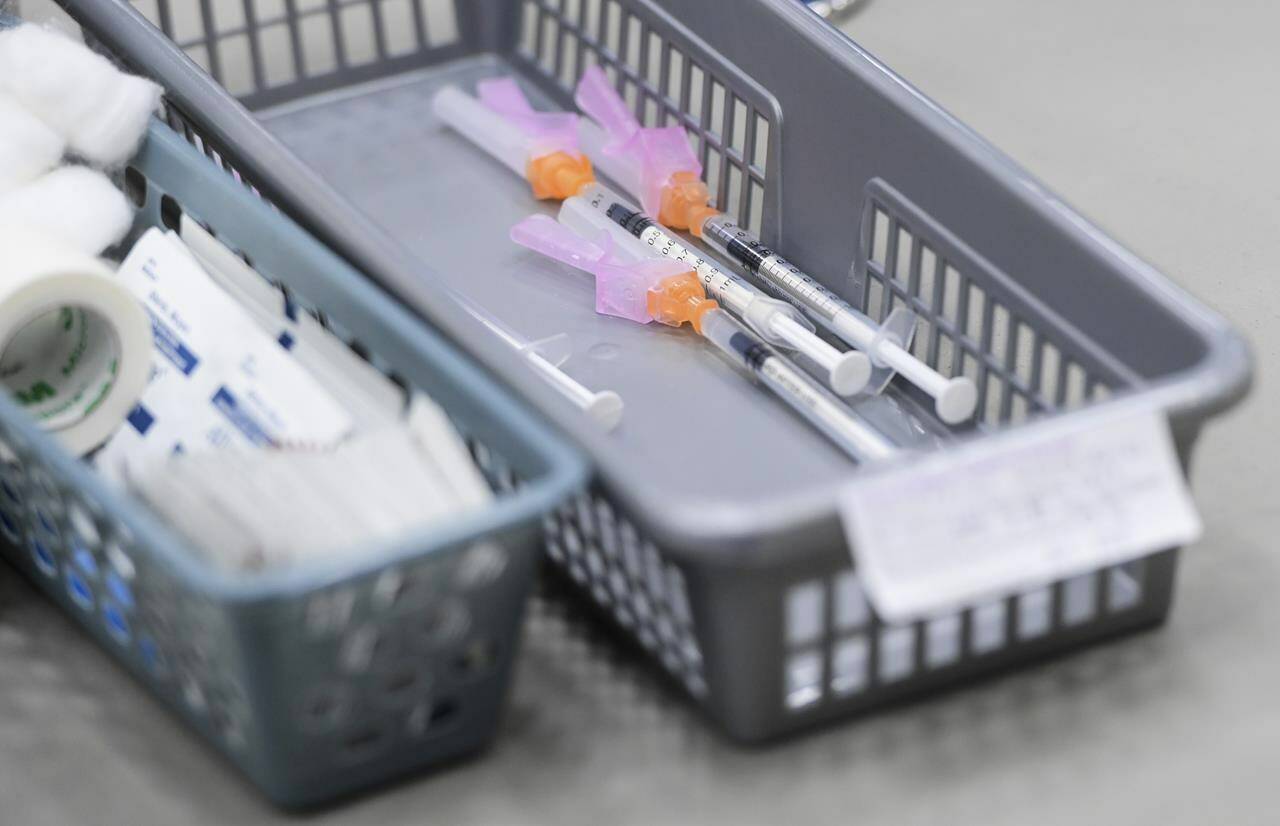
(847, 372)
(954, 398)
(536, 145)
(540, 146)
(545, 357)
(658, 166)
(671, 293)
(818, 406)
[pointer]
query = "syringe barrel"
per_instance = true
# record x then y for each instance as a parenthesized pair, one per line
(594, 211)
(787, 281)
(791, 384)
(484, 127)
(585, 214)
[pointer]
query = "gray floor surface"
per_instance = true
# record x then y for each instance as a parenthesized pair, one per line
(1160, 119)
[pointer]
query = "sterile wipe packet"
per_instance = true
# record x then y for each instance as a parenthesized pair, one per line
(217, 380)
(372, 398)
(270, 510)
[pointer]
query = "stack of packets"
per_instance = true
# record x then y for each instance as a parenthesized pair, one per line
(239, 440)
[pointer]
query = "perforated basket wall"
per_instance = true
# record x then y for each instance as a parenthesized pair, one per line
(265, 51)
(826, 651)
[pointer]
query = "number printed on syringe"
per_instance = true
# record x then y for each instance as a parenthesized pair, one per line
(726, 288)
(780, 276)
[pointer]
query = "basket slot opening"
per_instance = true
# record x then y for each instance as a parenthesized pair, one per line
(255, 46)
(837, 650)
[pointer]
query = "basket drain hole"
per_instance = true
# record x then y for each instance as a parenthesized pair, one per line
(363, 743)
(478, 657)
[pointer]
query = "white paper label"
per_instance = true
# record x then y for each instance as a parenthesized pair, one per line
(987, 520)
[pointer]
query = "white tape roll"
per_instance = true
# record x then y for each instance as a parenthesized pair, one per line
(75, 346)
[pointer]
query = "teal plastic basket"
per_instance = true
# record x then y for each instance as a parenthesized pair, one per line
(320, 680)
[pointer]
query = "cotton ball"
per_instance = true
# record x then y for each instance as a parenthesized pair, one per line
(74, 205)
(101, 112)
(28, 148)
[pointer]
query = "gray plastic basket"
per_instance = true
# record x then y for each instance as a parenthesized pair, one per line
(319, 680)
(737, 578)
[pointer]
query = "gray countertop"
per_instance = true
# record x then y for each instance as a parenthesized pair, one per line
(1158, 119)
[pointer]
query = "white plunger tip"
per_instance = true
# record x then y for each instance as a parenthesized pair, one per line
(606, 409)
(851, 373)
(957, 401)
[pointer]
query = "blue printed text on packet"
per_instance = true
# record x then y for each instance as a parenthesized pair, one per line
(171, 347)
(225, 402)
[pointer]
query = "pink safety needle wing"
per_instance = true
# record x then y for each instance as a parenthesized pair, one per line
(552, 131)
